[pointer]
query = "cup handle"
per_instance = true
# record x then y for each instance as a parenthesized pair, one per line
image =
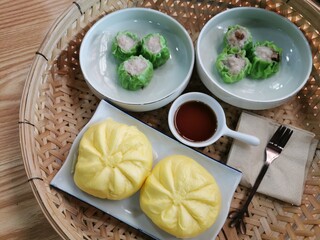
(249, 139)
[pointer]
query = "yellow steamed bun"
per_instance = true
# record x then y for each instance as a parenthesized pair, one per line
(114, 160)
(181, 197)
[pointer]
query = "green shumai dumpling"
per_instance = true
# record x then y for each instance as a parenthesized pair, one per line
(265, 58)
(154, 48)
(125, 45)
(135, 73)
(238, 37)
(232, 65)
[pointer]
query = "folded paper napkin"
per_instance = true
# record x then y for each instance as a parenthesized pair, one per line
(285, 177)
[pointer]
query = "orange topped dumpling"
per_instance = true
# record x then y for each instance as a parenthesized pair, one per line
(114, 160)
(181, 197)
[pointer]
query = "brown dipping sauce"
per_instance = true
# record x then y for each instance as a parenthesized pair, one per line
(195, 121)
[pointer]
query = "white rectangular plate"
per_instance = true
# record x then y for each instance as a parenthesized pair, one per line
(128, 210)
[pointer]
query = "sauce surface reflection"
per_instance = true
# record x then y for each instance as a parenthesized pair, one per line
(195, 121)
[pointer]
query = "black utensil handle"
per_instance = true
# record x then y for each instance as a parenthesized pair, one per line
(256, 184)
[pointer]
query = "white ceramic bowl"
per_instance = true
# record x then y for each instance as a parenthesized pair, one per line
(248, 93)
(100, 67)
(222, 128)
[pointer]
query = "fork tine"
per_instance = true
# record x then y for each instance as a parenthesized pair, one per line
(281, 137)
(277, 134)
(285, 137)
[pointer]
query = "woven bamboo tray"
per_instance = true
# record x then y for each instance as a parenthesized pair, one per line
(57, 103)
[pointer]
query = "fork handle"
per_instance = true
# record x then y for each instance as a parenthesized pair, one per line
(256, 184)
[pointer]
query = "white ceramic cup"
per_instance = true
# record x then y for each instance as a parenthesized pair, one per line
(222, 128)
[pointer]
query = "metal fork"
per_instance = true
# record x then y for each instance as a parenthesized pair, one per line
(272, 151)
